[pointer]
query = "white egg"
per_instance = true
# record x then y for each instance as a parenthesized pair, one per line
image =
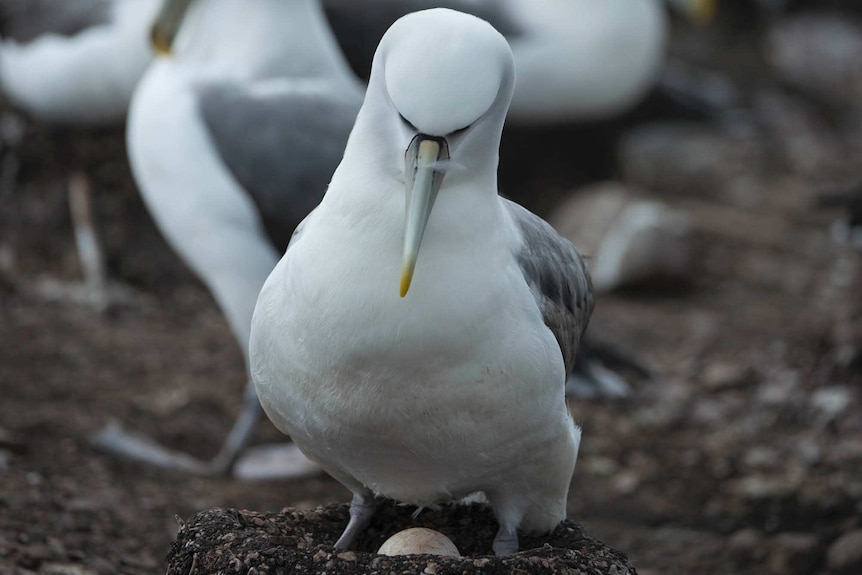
(418, 540)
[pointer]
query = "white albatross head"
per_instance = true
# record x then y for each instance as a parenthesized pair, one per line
(442, 82)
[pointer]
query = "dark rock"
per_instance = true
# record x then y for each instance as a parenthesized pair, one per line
(689, 160)
(293, 541)
(845, 554)
(723, 375)
(818, 54)
(794, 553)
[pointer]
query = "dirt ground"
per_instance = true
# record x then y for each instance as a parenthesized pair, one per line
(744, 455)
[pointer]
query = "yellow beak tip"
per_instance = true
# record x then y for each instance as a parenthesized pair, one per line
(704, 11)
(160, 47)
(406, 279)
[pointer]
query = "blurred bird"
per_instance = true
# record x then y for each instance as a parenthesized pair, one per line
(85, 78)
(237, 86)
(576, 59)
(457, 385)
(584, 60)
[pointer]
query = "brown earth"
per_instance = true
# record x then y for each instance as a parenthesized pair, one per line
(743, 456)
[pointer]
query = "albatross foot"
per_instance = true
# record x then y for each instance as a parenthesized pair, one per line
(506, 542)
(119, 442)
(114, 440)
(362, 509)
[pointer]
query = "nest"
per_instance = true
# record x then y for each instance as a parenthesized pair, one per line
(300, 542)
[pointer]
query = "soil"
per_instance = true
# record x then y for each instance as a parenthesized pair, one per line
(743, 455)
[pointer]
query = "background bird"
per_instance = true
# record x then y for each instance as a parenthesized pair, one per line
(77, 61)
(84, 68)
(577, 60)
(200, 124)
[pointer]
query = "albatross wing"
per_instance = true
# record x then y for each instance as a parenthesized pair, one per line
(559, 279)
(281, 142)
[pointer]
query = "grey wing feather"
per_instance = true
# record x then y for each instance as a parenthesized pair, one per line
(559, 278)
(282, 147)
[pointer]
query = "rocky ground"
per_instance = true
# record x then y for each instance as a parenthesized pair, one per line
(743, 455)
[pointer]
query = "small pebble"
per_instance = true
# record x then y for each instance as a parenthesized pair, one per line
(793, 553)
(722, 375)
(846, 552)
(817, 53)
(831, 401)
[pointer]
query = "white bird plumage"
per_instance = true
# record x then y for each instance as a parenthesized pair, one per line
(459, 386)
(181, 176)
(83, 79)
(577, 59)
(584, 60)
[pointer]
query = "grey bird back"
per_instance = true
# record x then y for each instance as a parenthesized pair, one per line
(281, 148)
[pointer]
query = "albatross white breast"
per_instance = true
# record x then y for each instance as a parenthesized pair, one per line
(416, 336)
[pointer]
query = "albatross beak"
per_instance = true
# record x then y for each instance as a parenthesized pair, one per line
(167, 25)
(698, 11)
(702, 11)
(423, 182)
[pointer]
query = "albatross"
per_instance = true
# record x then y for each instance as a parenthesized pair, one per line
(238, 84)
(85, 78)
(416, 336)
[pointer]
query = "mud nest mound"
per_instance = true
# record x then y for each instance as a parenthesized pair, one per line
(298, 542)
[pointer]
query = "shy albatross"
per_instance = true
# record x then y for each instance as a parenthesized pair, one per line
(239, 84)
(452, 382)
(85, 78)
